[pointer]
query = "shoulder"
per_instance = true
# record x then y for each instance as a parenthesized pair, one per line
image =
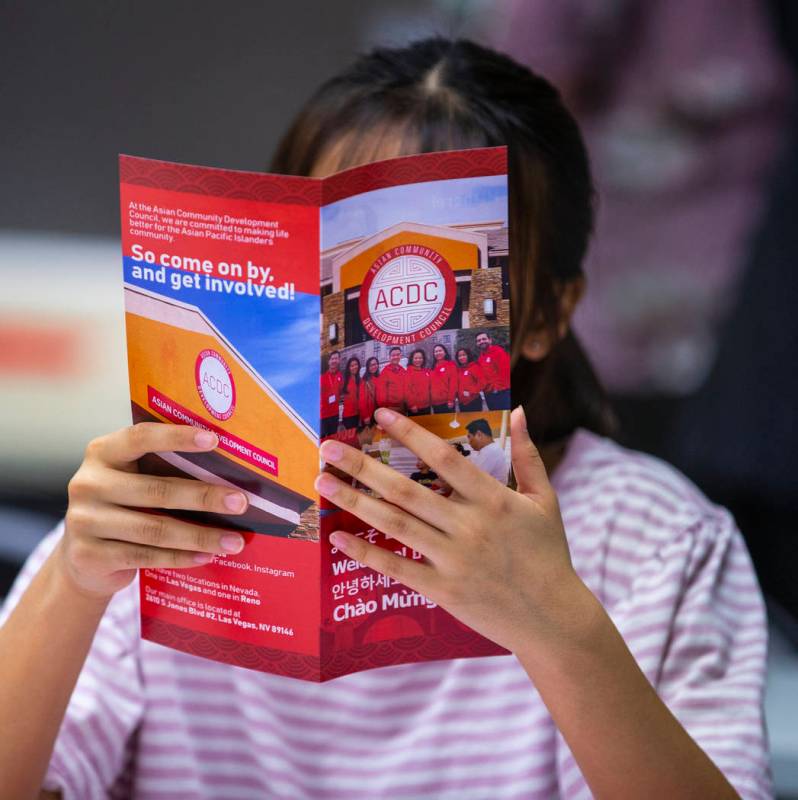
(634, 522)
(600, 476)
(495, 449)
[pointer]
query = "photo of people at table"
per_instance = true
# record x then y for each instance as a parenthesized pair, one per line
(426, 378)
(483, 438)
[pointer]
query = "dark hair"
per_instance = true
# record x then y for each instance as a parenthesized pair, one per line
(423, 357)
(438, 94)
(479, 425)
(445, 350)
(469, 355)
(367, 376)
(394, 349)
(348, 374)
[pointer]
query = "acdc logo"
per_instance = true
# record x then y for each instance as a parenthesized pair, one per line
(215, 384)
(408, 293)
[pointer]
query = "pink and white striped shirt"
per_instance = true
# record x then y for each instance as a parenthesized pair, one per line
(671, 569)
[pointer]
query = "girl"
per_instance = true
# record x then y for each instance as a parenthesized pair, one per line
(350, 393)
(367, 396)
(442, 381)
(627, 600)
(417, 385)
(470, 381)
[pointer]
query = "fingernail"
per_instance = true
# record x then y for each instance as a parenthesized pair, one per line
(326, 484)
(385, 416)
(337, 541)
(205, 439)
(331, 451)
(235, 502)
(203, 558)
(232, 543)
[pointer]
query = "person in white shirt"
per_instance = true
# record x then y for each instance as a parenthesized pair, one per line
(488, 455)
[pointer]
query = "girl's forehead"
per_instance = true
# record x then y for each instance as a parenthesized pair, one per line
(386, 139)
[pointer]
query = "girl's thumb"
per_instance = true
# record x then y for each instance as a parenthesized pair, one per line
(530, 474)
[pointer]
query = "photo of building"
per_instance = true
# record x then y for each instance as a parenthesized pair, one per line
(476, 252)
(268, 453)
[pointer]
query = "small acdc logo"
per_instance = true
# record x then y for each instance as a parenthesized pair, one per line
(215, 384)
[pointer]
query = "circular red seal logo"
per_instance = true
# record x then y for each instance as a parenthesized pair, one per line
(408, 293)
(215, 384)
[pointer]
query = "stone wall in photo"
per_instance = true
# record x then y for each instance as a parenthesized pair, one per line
(487, 284)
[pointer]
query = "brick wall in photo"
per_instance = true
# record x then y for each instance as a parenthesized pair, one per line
(487, 283)
(333, 311)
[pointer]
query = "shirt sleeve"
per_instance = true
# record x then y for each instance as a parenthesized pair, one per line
(93, 750)
(695, 622)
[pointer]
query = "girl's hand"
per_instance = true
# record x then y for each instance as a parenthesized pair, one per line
(107, 538)
(495, 558)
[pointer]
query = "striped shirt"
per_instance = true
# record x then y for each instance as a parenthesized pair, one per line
(671, 569)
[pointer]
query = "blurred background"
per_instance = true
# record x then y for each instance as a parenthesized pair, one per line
(689, 115)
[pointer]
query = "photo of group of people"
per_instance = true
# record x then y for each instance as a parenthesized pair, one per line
(424, 379)
(416, 318)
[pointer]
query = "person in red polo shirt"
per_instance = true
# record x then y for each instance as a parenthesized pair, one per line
(367, 396)
(443, 381)
(350, 393)
(417, 387)
(470, 381)
(331, 384)
(495, 364)
(391, 389)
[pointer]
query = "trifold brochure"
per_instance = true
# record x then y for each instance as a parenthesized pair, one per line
(278, 311)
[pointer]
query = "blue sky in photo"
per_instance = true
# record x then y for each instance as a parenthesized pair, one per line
(447, 202)
(279, 338)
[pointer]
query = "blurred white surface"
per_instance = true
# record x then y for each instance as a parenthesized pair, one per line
(63, 365)
(781, 709)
